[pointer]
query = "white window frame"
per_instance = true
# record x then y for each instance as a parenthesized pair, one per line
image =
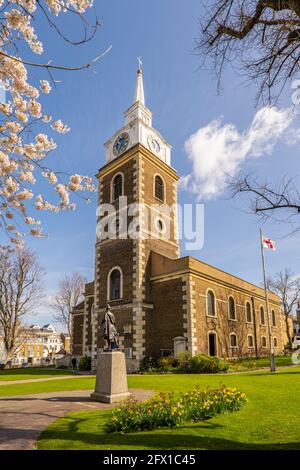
(164, 191)
(233, 334)
(234, 304)
(250, 347)
(215, 303)
(108, 284)
(251, 313)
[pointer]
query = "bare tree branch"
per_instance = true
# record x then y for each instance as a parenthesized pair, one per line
(70, 293)
(287, 286)
(263, 35)
(281, 202)
(21, 289)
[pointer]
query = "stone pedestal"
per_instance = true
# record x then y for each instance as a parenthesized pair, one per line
(111, 381)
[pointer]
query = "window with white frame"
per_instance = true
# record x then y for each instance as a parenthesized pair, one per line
(248, 313)
(115, 284)
(233, 340)
(211, 304)
(231, 308)
(159, 188)
(250, 341)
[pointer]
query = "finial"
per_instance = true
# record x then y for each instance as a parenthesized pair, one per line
(139, 88)
(140, 64)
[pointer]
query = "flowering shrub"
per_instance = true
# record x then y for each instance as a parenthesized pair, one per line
(168, 410)
(24, 123)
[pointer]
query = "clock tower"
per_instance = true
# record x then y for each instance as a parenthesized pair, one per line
(137, 179)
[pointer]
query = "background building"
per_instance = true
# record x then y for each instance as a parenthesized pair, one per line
(39, 345)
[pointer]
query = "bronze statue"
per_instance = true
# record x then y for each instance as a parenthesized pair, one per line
(110, 333)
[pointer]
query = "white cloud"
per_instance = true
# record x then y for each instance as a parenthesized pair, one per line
(218, 151)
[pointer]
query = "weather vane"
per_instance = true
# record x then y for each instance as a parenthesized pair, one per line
(140, 63)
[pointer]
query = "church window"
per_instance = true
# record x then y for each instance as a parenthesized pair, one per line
(262, 316)
(115, 284)
(117, 186)
(211, 306)
(248, 313)
(275, 342)
(233, 340)
(159, 188)
(273, 318)
(264, 341)
(250, 341)
(231, 308)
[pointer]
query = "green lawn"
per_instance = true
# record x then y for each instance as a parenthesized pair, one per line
(270, 420)
(83, 383)
(31, 373)
(261, 362)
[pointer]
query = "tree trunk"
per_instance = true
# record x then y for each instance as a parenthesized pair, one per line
(287, 324)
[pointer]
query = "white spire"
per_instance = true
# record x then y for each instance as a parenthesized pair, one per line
(139, 88)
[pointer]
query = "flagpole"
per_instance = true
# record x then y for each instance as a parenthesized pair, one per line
(271, 349)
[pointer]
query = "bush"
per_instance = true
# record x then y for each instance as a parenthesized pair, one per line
(166, 364)
(202, 364)
(166, 410)
(207, 365)
(148, 365)
(84, 363)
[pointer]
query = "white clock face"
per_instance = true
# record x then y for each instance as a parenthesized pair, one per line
(153, 144)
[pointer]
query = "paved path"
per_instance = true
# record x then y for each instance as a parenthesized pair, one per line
(46, 379)
(23, 418)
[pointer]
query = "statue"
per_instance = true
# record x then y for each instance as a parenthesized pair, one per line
(110, 333)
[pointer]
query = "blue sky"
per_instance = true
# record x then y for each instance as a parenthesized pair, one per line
(183, 99)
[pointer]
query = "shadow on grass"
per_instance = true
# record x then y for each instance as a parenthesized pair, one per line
(70, 436)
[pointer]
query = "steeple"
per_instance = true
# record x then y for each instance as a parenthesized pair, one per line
(139, 88)
(138, 128)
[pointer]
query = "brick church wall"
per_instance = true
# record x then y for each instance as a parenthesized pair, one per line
(165, 321)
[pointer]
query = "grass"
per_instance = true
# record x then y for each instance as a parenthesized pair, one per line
(31, 373)
(262, 362)
(270, 420)
(84, 383)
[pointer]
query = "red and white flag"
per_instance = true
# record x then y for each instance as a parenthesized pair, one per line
(268, 243)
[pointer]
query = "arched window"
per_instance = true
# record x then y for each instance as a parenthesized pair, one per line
(250, 341)
(115, 284)
(211, 306)
(273, 318)
(275, 342)
(262, 315)
(264, 341)
(231, 308)
(117, 187)
(248, 313)
(159, 188)
(233, 340)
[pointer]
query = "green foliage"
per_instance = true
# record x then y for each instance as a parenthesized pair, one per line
(168, 410)
(84, 363)
(203, 364)
(149, 365)
(166, 364)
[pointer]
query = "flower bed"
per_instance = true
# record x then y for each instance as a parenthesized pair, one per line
(167, 410)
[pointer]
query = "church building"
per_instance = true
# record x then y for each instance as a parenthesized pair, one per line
(162, 303)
